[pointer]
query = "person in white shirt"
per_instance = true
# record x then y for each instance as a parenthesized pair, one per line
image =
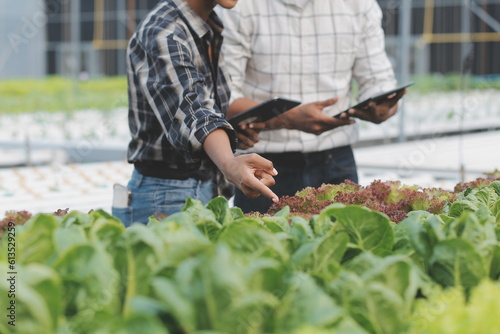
(311, 51)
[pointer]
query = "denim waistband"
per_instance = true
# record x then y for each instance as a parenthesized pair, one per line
(298, 159)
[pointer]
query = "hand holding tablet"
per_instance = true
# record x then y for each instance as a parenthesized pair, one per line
(377, 99)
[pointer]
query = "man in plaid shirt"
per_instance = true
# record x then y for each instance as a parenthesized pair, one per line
(311, 51)
(178, 98)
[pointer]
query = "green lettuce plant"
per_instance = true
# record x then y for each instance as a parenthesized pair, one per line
(212, 269)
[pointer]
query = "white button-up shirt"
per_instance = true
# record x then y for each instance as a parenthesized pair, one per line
(307, 50)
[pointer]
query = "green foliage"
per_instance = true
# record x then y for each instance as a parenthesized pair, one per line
(368, 230)
(449, 312)
(389, 197)
(461, 246)
(210, 269)
(62, 94)
(378, 293)
(56, 93)
(452, 82)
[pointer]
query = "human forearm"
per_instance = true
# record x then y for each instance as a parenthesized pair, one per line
(251, 173)
(240, 105)
(218, 148)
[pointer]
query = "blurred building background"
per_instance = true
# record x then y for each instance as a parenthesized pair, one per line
(24, 44)
(445, 32)
(70, 158)
(67, 37)
(73, 37)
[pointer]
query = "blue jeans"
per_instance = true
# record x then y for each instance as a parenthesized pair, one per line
(299, 170)
(151, 195)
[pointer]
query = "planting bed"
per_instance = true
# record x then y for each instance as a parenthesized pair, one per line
(211, 269)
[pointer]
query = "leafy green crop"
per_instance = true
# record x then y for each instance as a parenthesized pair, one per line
(389, 197)
(459, 247)
(56, 93)
(449, 312)
(62, 94)
(211, 269)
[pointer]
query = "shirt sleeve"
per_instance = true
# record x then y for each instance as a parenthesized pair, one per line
(372, 69)
(180, 96)
(236, 48)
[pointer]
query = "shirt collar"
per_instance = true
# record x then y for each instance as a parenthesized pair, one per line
(199, 26)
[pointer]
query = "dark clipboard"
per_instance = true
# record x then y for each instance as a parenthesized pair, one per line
(263, 111)
(377, 98)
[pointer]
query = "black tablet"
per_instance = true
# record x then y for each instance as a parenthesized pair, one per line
(377, 98)
(263, 111)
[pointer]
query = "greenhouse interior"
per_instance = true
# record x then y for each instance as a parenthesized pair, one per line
(412, 247)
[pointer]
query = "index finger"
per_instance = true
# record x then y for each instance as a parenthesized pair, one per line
(264, 190)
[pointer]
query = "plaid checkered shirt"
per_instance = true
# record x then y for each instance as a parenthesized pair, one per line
(177, 95)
